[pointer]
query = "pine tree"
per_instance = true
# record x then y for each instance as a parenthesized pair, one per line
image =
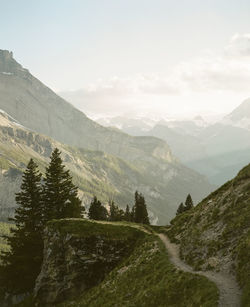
(188, 203)
(97, 211)
(140, 210)
(60, 195)
(115, 213)
(132, 214)
(21, 265)
(180, 209)
(127, 214)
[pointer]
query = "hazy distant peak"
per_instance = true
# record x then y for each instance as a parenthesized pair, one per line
(239, 117)
(243, 110)
(240, 113)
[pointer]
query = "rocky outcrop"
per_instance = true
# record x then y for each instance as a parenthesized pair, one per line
(76, 261)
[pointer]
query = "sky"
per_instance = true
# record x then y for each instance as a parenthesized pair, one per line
(135, 57)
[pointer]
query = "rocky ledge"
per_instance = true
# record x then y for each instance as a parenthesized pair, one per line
(77, 256)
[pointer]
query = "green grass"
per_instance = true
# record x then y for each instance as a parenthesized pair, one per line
(87, 228)
(145, 278)
(243, 268)
(230, 208)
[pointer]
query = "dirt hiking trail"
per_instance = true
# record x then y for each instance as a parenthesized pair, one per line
(230, 293)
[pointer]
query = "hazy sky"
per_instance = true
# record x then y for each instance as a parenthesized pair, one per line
(136, 56)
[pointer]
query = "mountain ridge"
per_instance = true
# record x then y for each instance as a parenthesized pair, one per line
(51, 114)
(39, 109)
(95, 172)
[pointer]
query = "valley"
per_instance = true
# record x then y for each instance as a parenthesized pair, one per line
(218, 150)
(103, 161)
(125, 153)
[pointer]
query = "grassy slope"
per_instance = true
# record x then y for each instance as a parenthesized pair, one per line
(145, 278)
(225, 217)
(4, 230)
(94, 172)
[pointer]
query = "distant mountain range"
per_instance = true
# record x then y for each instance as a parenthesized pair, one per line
(104, 161)
(217, 150)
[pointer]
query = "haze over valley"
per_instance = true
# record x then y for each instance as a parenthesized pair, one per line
(125, 153)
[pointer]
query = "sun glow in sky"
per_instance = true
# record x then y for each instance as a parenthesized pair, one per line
(161, 57)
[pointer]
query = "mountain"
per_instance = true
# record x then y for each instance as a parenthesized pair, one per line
(37, 107)
(216, 233)
(218, 151)
(123, 123)
(240, 117)
(95, 172)
(104, 161)
(226, 151)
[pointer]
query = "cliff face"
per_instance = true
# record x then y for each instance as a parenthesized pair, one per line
(77, 256)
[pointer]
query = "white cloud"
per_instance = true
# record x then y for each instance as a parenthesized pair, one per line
(215, 73)
(239, 45)
(209, 75)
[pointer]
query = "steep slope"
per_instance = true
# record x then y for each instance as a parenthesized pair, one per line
(95, 172)
(37, 107)
(147, 165)
(216, 233)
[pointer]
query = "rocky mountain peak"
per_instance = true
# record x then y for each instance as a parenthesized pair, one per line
(6, 54)
(8, 64)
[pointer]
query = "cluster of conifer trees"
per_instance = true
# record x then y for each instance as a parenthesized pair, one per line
(188, 205)
(138, 214)
(39, 201)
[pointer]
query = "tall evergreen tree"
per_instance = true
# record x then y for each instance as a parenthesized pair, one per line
(140, 209)
(188, 203)
(132, 214)
(60, 196)
(115, 213)
(127, 214)
(180, 209)
(21, 265)
(97, 211)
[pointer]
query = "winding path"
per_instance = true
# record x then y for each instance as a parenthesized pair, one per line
(230, 293)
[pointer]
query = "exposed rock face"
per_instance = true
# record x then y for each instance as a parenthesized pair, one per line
(7, 64)
(74, 263)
